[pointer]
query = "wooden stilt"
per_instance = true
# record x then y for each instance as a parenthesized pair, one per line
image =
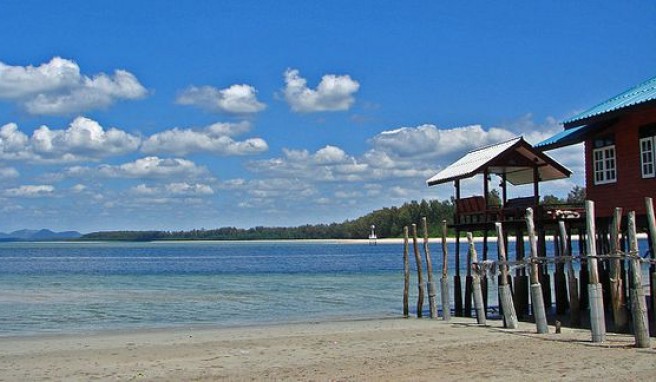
(560, 284)
(651, 222)
(446, 305)
(468, 285)
(406, 273)
(620, 316)
(505, 296)
(597, 321)
(537, 301)
(521, 280)
(583, 272)
(638, 305)
(484, 277)
(572, 283)
(476, 282)
(430, 286)
(420, 280)
(457, 284)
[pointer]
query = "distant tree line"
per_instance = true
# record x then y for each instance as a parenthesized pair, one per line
(389, 222)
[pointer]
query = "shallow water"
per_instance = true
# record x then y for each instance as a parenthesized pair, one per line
(83, 287)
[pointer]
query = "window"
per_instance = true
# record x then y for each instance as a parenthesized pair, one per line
(647, 156)
(603, 159)
(647, 151)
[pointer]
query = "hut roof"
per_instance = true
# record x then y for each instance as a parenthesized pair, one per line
(515, 159)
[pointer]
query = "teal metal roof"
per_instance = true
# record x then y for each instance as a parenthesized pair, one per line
(564, 138)
(642, 93)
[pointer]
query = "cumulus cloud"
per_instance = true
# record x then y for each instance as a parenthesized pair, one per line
(8, 172)
(174, 189)
(216, 139)
(30, 191)
(237, 99)
(57, 87)
(84, 139)
(148, 167)
(334, 93)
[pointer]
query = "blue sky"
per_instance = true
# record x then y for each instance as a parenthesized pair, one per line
(180, 115)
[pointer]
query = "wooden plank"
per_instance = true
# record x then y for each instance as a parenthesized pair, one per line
(620, 314)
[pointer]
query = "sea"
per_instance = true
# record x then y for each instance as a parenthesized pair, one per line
(81, 287)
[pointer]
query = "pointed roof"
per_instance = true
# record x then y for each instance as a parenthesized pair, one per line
(637, 95)
(514, 158)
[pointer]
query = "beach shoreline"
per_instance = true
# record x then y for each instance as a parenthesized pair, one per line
(393, 349)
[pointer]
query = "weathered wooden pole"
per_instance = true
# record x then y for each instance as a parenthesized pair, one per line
(537, 298)
(597, 320)
(420, 279)
(620, 316)
(572, 283)
(446, 305)
(476, 282)
(637, 293)
(406, 273)
(505, 295)
(651, 221)
(468, 287)
(430, 286)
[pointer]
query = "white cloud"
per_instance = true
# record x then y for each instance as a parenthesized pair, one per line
(215, 139)
(334, 93)
(30, 191)
(174, 189)
(148, 167)
(84, 139)
(57, 87)
(78, 188)
(8, 172)
(237, 99)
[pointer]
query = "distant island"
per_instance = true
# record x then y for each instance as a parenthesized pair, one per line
(39, 235)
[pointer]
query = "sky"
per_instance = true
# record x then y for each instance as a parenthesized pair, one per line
(173, 115)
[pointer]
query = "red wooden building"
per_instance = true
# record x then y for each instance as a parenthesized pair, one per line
(620, 149)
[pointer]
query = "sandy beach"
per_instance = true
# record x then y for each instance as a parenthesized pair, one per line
(364, 350)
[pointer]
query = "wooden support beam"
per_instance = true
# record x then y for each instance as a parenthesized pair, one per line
(597, 320)
(444, 281)
(638, 305)
(420, 280)
(430, 285)
(537, 301)
(476, 282)
(406, 273)
(505, 295)
(620, 314)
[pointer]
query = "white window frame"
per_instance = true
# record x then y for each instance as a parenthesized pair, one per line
(648, 157)
(604, 165)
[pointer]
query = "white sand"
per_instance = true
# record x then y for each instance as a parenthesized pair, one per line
(368, 350)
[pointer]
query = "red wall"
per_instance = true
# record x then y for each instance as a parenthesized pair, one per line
(630, 190)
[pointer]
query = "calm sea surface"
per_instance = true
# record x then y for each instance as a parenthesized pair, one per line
(86, 287)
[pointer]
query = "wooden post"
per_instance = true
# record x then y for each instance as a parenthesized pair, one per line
(505, 295)
(468, 287)
(406, 273)
(476, 282)
(620, 316)
(572, 283)
(651, 221)
(597, 321)
(521, 280)
(457, 284)
(446, 305)
(638, 305)
(430, 286)
(537, 298)
(420, 279)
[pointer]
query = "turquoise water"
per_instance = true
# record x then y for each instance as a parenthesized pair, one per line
(87, 287)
